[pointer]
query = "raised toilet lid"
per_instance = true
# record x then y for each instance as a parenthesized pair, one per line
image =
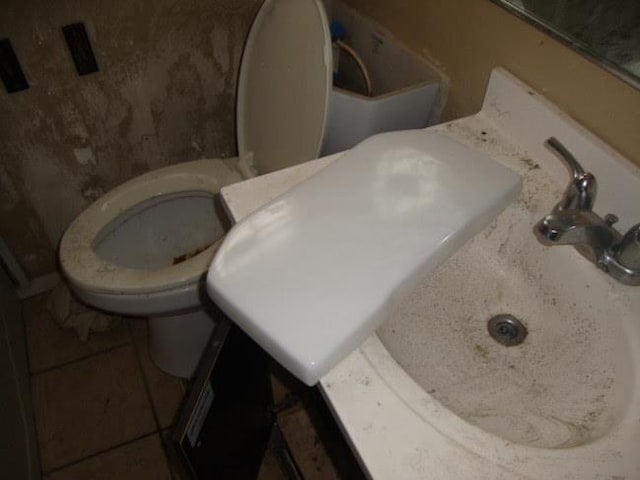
(284, 84)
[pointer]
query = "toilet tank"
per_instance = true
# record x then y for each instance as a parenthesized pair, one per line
(407, 92)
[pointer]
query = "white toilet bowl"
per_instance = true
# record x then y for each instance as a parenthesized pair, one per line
(143, 250)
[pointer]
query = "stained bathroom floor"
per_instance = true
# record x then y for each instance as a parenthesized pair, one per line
(104, 411)
(101, 408)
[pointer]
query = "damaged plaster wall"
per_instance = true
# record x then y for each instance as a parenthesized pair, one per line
(165, 93)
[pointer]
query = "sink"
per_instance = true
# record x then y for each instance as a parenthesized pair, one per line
(570, 382)
(562, 403)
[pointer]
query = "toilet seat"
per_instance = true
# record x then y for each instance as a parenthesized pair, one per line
(86, 270)
(284, 84)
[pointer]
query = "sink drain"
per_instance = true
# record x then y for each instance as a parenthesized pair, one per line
(506, 330)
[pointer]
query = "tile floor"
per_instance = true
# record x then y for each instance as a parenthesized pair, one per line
(103, 410)
(102, 407)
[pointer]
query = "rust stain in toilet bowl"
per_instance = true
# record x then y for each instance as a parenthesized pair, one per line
(186, 256)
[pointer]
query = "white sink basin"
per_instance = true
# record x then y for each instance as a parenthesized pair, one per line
(572, 379)
(565, 403)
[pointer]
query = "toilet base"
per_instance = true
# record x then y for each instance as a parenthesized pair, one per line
(176, 342)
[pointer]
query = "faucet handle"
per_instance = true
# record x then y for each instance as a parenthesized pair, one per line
(580, 193)
(610, 219)
(628, 250)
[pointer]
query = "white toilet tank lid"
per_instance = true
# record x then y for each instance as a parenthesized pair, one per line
(313, 273)
(284, 84)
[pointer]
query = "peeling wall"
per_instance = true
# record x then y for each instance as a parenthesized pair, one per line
(165, 93)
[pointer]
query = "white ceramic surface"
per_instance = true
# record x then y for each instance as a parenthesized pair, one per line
(112, 274)
(284, 84)
(353, 117)
(407, 91)
(584, 333)
(312, 274)
(129, 253)
(287, 63)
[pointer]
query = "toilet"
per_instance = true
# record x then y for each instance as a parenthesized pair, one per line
(144, 248)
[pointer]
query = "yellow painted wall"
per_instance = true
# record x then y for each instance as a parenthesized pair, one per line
(467, 38)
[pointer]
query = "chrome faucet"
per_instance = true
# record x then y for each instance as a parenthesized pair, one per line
(573, 222)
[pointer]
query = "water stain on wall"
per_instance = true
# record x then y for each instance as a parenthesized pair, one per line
(164, 94)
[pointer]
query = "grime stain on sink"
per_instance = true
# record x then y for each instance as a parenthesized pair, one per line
(483, 352)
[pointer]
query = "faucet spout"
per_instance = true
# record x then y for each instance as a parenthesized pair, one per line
(567, 227)
(590, 234)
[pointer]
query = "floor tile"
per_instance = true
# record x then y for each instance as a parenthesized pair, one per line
(166, 391)
(50, 345)
(89, 406)
(140, 460)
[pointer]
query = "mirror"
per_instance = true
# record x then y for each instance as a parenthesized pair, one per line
(607, 31)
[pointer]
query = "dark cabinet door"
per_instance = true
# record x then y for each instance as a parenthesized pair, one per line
(224, 428)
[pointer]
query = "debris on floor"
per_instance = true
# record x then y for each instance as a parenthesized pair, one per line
(69, 313)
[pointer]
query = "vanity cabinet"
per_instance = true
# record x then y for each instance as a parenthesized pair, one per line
(230, 421)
